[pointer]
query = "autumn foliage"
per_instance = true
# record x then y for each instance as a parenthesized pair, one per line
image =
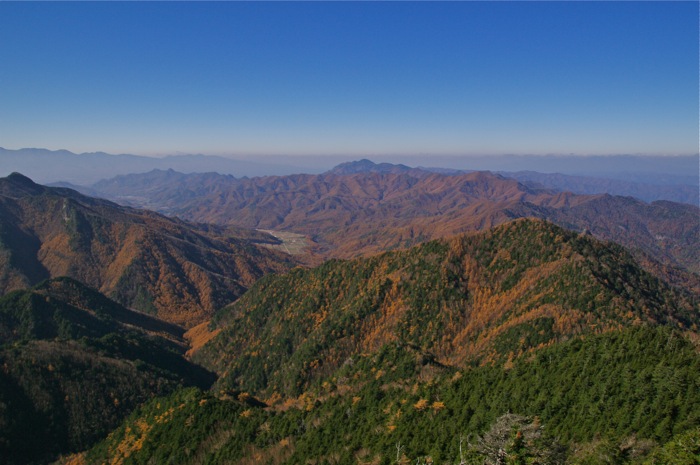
(477, 298)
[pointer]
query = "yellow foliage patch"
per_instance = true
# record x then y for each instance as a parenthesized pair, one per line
(199, 335)
(438, 406)
(422, 404)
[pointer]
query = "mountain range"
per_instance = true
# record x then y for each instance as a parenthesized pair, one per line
(433, 318)
(376, 208)
(51, 166)
(683, 193)
(178, 271)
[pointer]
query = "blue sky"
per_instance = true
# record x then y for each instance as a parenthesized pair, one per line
(359, 79)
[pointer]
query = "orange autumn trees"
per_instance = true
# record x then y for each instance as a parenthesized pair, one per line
(475, 298)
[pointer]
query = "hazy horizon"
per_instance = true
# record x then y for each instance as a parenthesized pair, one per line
(45, 166)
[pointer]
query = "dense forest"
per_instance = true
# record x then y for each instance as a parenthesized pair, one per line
(627, 396)
(407, 357)
(174, 342)
(75, 363)
(475, 298)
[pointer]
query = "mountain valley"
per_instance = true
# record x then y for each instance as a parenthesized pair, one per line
(362, 209)
(373, 314)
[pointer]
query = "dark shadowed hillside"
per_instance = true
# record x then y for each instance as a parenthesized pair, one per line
(75, 364)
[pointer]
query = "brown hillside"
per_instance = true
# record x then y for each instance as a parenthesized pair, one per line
(178, 271)
(362, 213)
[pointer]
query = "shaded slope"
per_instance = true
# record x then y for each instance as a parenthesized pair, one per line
(475, 298)
(178, 271)
(75, 364)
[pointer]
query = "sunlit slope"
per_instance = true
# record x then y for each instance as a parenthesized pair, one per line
(627, 397)
(349, 214)
(475, 298)
(175, 270)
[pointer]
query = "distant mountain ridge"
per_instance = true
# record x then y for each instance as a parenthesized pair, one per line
(47, 166)
(51, 166)
(665, 187)
(368, 166)
(181, 272)
(368, 212)
(689, 194)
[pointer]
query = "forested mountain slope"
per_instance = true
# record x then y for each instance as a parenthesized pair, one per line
(526, 342)
(75, 363)
(622, 397)
(178, 271)
(471, 299)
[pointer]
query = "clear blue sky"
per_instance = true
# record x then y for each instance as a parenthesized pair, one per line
(350, 78)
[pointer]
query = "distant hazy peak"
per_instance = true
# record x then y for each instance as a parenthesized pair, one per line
(368, 166)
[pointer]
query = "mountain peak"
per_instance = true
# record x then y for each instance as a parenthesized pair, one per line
(17, 184)
(367, 166)
(474, 298)
(19, 178)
